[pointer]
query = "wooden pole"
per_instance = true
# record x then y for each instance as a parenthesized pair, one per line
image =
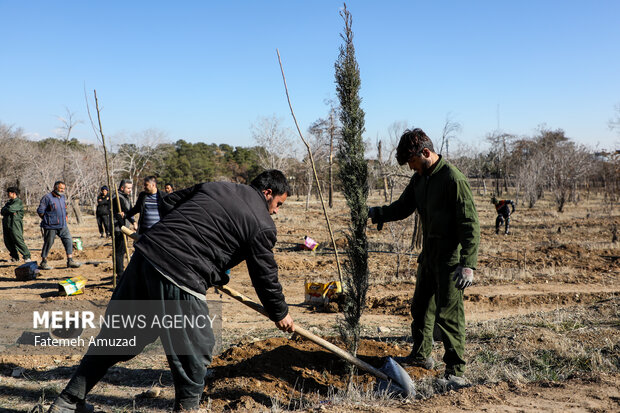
(107, 171)
(118, 204)
(316, 177)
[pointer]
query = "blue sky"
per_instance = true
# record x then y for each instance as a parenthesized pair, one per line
(206, 70)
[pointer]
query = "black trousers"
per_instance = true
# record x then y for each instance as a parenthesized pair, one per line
(119, 252)
(188, 350)
(501, 218)
(103, 223)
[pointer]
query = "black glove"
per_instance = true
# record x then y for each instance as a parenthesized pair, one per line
(374, 213)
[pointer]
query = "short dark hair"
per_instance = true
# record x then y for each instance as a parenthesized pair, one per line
(412, 142)
(274, 180)
(169, 184)
(13, 189)
(58, 183)
(124, 182)
(150, 178)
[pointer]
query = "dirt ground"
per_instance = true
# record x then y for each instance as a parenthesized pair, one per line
(552, 265)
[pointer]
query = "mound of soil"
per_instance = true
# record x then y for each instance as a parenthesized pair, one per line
(391, 304)
(290, 372)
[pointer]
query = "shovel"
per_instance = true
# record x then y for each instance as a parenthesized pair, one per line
(392, 377)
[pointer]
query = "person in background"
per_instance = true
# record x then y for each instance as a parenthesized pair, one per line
(53, 212)
(148, 205)
(124, 192)
(168, 188)
(103, 212)
(13, 226)
(503, 213)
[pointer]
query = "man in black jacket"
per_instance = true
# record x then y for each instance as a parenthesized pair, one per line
(205, 230)
(103, 211)
(149, 205)
(124, 192)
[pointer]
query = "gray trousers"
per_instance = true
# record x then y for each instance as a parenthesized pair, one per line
(189, 351)
(49, 235)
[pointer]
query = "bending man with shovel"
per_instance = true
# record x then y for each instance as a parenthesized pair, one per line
(441, 195)
(205, 230)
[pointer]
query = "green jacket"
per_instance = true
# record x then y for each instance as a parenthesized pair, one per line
(449, 219)
(12, 212)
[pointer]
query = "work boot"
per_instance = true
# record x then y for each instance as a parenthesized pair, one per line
(44, 265)
(452, 382)
(410, 361)
(61, 405)
(71, 263)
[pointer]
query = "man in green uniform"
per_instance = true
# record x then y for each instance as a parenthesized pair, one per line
(13, 226)
(442, 196)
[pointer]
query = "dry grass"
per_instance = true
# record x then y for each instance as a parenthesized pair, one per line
(552, 346)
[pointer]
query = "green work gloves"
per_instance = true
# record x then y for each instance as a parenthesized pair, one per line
(463, 276)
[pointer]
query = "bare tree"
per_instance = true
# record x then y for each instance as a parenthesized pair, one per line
(531, 178)
(450, 130)
(390, 168)
(47, 163)
(11, 162)
(276, 140)
(499, 158)
(319, 142)
(133, 159)
(68, 122)
(614, 123)
(382, 169)
(567, 163)
(333, 130)
(88, 173)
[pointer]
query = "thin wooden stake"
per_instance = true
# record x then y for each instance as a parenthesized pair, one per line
(316, 177)
(107, 171)
(118, 203)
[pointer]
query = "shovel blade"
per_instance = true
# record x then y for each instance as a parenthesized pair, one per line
(400, 383)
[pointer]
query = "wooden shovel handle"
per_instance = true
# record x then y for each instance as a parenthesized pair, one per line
(307, 334)
(130, 233)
